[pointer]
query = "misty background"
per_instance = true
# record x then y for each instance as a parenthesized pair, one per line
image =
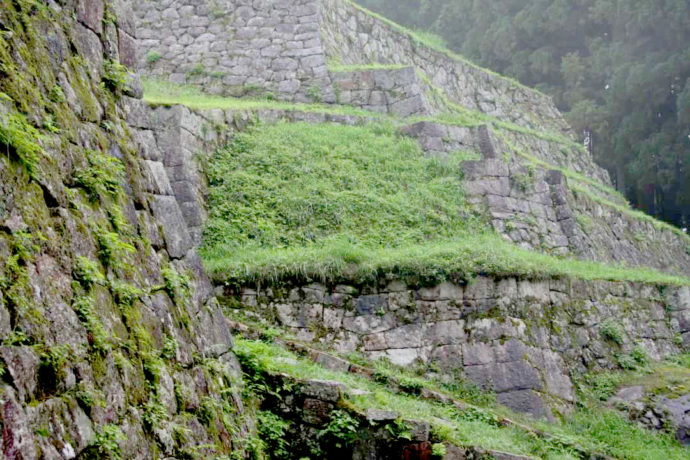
(619, 69)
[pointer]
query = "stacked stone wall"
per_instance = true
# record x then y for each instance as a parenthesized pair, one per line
(392, 91)
(84, 312)
(536, 207)
(352, 36)
(236, 47)
(523, 339)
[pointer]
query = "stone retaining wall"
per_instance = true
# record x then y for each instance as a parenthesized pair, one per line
(524, 339)
(538, 208)
(236, 47)
(351, 37)
(74, 384)
(311, 405)
(393, 91)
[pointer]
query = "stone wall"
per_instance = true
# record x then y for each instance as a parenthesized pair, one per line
(310, 405)
(109, 333)
(524, 339)
(236, 47)
(351, 36)
(538, 208)
(392, 91)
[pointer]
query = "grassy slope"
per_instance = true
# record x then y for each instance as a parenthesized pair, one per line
(163, 93)
(591, 427)
(327, 201)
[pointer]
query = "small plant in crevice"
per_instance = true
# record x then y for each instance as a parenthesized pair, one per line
(153, 414)
(177, 285)
(341, 431)
(97, 335)
(114, 76)
(523, 181)
(117, 219)
(411, 385)
(197, 71)
(612, 330)
(18, 337)
(438, 450)
(87, 272)
(273, 438)
(208, 410)
(125, 294)
(637, 360)
(57, 95)
(586, 223)
(106, 443)
(112, 250)
(88, 398)
(102, 177)
(269, 335)
(52, 366)
(153, 366)
(400, 430)
(19, 137)
(315, 94)
(152, 57)
(50, 124)
(599, 387)
(170, 347)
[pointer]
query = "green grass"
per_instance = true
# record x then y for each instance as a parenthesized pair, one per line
(593, 428)
(458, 259)
(344, 225)
(159, 92)
(336, 202)
(290, 185)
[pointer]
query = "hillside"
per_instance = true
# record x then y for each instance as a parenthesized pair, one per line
(414, 258)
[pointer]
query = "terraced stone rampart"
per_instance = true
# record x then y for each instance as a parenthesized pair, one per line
(352, 36)
(524, 339)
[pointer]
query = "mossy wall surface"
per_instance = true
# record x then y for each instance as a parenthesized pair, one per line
(527, 340)
(111, 343)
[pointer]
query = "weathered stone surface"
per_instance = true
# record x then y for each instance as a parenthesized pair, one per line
(90, 46)
(396, 91)
(678, 412)
(521, 338)
(22, 365)
(322, 390)
(526, 401)
(316, 411)
(90, 13)
(175, 232)
(238, 48)
(376, 415)
(74, 342)
(18, 437)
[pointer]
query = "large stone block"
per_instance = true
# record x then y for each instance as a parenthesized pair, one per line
(22, 365)
(90, 13)
(177, 238)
